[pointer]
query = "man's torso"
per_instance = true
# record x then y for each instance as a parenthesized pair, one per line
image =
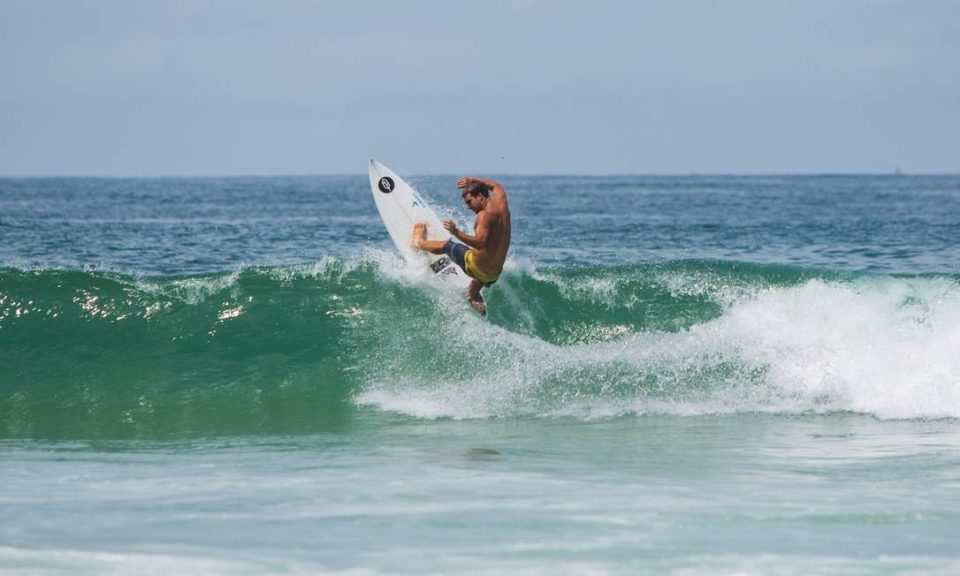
(491, 258)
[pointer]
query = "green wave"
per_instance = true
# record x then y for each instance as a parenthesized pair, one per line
(106, 355)
(589, 304)
(285, 350)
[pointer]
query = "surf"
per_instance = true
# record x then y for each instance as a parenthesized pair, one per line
(302, 348)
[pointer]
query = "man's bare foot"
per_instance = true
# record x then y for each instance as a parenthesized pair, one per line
(478, 304)
(419, 234)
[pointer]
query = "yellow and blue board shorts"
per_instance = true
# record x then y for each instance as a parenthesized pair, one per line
(463, 257)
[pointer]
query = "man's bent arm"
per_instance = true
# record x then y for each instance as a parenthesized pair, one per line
(479, 240)
(496, 189)
(471, 241)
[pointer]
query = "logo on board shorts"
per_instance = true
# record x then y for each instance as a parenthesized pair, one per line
(385, 184)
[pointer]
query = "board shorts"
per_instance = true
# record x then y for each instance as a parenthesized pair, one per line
(463, 257)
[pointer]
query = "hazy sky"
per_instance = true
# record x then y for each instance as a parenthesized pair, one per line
(295, 87)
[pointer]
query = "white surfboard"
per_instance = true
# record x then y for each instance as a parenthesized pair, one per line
(400, 208)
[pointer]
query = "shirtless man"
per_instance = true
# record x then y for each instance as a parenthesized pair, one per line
(484, 253)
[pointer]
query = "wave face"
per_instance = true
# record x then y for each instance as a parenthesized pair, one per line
(299, 349)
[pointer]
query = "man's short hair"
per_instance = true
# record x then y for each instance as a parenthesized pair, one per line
(476, 187)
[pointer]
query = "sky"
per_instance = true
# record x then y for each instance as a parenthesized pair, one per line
(237, 87)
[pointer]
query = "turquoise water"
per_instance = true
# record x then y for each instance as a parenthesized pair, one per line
(685, 375)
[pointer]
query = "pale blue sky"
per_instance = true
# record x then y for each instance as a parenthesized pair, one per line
(185, 87)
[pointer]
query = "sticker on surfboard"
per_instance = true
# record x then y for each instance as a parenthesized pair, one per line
(385, 184)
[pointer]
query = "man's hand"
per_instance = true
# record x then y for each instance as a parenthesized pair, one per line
(462, 183)
(451, 227)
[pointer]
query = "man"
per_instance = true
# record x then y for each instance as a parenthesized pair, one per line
(485, 252)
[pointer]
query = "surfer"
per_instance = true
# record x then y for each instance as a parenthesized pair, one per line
(481, 255)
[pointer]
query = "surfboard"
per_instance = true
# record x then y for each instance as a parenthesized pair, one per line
(400, 208)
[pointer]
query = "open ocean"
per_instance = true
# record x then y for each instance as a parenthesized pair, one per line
(678, 375)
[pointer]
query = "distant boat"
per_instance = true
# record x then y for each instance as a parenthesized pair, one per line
(897, 171)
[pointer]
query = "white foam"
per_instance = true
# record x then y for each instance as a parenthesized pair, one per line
(603, 290)
(65, 561)
(886, 348)
(192, 290)
(880, 346)
(183, 561)
(702, 283)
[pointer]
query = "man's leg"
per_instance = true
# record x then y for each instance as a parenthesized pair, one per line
(475, 298)
(419, 240)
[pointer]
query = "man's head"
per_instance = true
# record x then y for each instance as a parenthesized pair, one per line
(475, 195)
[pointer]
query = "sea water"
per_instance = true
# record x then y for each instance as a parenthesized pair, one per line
(678, 375)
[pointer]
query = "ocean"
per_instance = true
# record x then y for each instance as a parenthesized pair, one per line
(677, 375)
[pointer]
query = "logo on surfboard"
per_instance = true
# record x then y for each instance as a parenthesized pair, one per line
(441, 264)
(385, 184)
